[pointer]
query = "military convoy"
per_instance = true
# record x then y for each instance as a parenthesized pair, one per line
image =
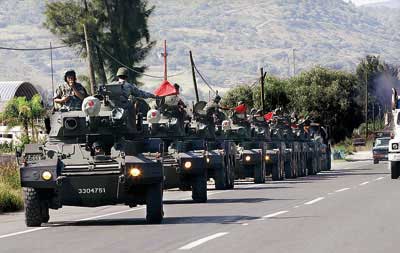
(111, 153)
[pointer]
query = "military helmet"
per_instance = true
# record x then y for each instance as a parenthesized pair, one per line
(122, 72)
(217, 98)
(70, 72)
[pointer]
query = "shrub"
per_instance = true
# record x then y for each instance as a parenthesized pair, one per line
(10, 189)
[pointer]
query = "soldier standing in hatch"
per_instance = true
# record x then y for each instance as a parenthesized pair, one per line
(129, 89)
(71, 93)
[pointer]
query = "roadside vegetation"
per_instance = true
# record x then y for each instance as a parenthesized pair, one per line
(336, 99)
(10, 189)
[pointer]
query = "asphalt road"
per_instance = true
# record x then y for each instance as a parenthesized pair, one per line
(353, 208)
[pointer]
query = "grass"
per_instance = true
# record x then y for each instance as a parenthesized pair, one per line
(10, 189)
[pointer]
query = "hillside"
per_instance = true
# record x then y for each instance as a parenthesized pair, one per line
(230, 39)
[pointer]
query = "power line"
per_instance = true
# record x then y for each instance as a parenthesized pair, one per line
(202, 78)
(38, 49)
(131, 69)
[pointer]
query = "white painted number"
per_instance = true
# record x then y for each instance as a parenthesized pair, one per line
(91, 190)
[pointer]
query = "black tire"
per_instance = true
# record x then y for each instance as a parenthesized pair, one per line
(199, 189)
(275, 172)
(394, 170)
(220, 177)
(376, 161)
(45, 212)
(154, 204)
(33, 208)
(230, 178)
(259, 173)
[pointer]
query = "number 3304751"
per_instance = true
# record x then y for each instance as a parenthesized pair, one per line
(91, 190)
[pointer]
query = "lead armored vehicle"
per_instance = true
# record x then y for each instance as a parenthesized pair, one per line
(94, 157)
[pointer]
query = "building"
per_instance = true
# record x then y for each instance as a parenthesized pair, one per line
(9, 90)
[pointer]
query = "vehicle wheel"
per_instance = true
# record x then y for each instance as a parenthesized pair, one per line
(154, 204)
(288, 170)
(45, 212)
(276, 173)
(259, 174)
(220, 177)
(33, 209)
(394, 170)
(199, 189)
(230, 184)
(376, 161)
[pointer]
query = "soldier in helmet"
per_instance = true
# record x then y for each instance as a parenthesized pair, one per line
(71, 93)
(129, 89)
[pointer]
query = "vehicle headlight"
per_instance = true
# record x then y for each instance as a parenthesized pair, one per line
(188, 165)
(135, 172)
(247, 158)
(267, 158)
(208, 160)
(395, 146)
(46, 175)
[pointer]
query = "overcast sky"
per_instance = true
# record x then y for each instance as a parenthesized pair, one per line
(361, 2)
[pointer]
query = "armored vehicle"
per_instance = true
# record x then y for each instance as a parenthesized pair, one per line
(251, 152)
(274, 155)
(184, 160)
(320, 135)
(94, 157)
(220, 153)
(281, 131)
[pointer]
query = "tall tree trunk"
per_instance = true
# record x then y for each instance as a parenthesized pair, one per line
(102, 72)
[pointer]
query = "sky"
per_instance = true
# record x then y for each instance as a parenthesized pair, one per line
(361, 2)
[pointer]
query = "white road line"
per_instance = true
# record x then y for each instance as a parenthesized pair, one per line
(245, 224)
(275, 214)
(202, 240)
(379, 178)
(364, 183)
(296, 206)
(22, 232)
(342, 190)
(314, 201)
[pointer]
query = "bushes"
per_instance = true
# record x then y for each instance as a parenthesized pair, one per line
(10, 189)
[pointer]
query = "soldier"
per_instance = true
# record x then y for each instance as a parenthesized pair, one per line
(129, 89)
(71, 93)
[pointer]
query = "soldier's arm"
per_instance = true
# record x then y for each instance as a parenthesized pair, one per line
(79, 91)
(141, 93)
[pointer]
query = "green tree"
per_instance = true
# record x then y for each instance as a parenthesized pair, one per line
(240, 93)
(330, 97)
(21, 112)
(275, 94)
(380, 77)
(116, 26)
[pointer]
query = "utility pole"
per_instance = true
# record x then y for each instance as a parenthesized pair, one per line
(165, 60)
(262, 90)
(294, 62)
(366, 106)
(88, 51)
(52, 72)
(194, 76)
(89, 59)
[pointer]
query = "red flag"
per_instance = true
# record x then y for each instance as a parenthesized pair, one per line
(268, 116)
(165, 89)
(241, 108)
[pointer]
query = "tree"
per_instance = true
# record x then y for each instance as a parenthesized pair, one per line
(380, 78)
(240, 93)
(275, 92)
(330, 97)
(117, 30)
(21, 112)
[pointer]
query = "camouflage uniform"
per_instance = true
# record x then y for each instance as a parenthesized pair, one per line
(129, 89)
(74, 103)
